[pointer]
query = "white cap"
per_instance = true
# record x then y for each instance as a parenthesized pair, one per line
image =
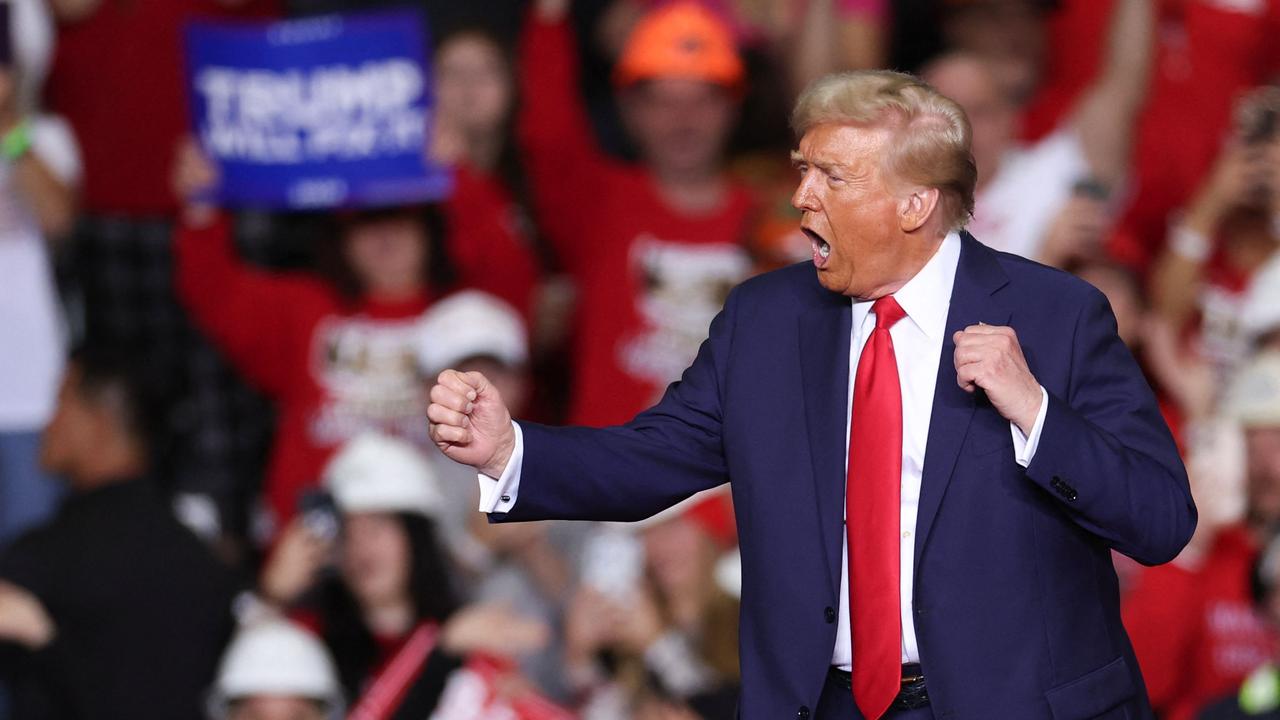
(1260, 313)
(378, 473)
(1253, 398)
(470, 324)
(275, 657)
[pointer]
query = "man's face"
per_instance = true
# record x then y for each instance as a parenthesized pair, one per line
(276, 707)
(388, 254)
(850, 211)
(681, 126)
(73, 430)
(1010, 35)
(1262, 470)
(473, 85)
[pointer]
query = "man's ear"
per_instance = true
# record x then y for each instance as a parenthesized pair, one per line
(917, 208)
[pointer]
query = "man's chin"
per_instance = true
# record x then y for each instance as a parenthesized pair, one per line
(828, 280)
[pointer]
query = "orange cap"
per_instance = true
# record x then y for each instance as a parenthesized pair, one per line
(680, 40)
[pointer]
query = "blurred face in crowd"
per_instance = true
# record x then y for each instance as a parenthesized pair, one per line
(268, 707)
(1009, 35)
(1123, 294)
(388, 255)
(1262, 458)
(84, 430)
(375, 558)
(71, 433)
(970, 82)
(1247, 241)
(8, 89)
(681, 557)
(473, 85)
(680, 125)
(853, 212)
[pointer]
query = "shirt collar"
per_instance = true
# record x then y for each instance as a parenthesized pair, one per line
(926, 298)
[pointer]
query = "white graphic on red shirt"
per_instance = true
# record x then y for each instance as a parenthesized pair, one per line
(370, 379)
(682, 287)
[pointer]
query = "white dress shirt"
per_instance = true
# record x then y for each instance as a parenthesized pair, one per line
(917, 342)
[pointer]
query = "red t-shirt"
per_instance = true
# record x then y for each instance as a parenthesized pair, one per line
(1196, 632)
(117, 77)
(1208, 54)
(490, 240)
(334, 368)
(649, 277)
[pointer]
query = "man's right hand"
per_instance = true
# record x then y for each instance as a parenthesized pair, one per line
(470, 423)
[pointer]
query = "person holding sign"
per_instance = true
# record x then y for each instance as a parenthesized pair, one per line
(336, 354)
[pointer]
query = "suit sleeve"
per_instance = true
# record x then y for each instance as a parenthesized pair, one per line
(1106, 453)
(630, 472)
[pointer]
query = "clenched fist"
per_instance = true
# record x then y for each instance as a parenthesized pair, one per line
(470, 423)
(990, 357)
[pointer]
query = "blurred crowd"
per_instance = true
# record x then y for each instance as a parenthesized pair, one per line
(223, 503)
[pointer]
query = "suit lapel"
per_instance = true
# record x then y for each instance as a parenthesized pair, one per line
(824, 365)
(978, 277)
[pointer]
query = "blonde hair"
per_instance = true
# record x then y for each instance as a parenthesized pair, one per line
(931, 144)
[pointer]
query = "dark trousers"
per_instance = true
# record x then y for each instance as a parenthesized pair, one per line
(836, 703)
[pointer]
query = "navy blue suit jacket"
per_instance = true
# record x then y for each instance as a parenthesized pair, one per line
(1015, 600)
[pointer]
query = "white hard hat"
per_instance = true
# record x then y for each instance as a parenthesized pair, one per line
(275, 657)
(378, 473)
(1260, 313)
(1253, 398)
(470, 324)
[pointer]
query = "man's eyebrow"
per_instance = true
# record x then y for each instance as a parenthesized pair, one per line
(825, 166)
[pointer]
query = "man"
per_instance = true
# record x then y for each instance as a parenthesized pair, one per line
(113, 610)
(654, 253)
(1001, 441)
(127, 123)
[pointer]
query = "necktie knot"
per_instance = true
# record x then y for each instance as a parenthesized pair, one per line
(888, 312)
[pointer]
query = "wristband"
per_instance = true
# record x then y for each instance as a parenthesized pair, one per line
(16, 142)
(1190, 244)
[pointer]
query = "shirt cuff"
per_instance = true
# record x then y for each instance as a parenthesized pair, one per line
(1024, 446)
(499, 495)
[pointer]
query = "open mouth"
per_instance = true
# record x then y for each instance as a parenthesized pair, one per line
(821, 248)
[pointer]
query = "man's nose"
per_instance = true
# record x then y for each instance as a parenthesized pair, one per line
(804, 198)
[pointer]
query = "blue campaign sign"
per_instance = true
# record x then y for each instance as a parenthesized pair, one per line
(330, 111)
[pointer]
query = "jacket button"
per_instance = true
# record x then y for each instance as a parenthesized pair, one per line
(1062, 488)
(829, 614)
(802, 713)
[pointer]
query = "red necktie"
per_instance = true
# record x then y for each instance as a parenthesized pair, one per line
(872, 497)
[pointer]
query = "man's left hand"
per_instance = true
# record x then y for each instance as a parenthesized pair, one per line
(23, 619)
(990, 357)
